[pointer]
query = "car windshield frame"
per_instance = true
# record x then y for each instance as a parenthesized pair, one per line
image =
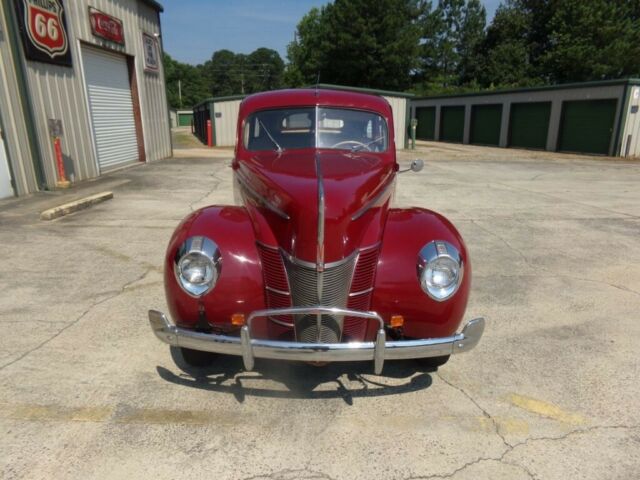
(326, 127)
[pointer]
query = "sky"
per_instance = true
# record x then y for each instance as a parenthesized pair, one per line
(193, 29)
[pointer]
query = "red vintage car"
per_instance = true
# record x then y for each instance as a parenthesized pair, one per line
(313, 264)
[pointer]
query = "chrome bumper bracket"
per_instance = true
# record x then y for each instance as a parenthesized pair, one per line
(378, 351)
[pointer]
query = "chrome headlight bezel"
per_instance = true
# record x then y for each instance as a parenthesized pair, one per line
(203, 249)
(439, 251)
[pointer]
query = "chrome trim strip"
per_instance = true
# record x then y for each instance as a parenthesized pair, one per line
(275, 290)
(321, 215)
(378, 351)
(244, 184)
(280, 322)
(362, 292)
(367, 206)
(304, 263)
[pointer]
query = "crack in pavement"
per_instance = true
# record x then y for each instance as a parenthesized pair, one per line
(509, 246)
(216, 183)
(484, 412)
(80, 317)
(510, 448)
(542, 268)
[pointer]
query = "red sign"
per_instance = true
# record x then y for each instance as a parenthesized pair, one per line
(43, 30)
(105, 26)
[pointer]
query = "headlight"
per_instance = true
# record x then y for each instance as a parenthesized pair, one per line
(440, 270)
(197, 265)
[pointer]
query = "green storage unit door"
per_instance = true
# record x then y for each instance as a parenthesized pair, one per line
(452, 124)
(184, 119)
(426, 129)
(485, 124)
(587, 126)
(529, 125)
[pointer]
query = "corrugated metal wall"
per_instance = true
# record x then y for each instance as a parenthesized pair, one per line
(58, 92)
(226, 120)
(399, 107)
(14, 127)
(155, 113)
(630, 144)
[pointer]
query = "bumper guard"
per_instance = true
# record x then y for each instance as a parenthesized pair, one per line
(378, 351)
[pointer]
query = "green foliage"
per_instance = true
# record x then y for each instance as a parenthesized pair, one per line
(430, 48)
(227, 73)
(593, 40)
(451, 34)
(192, 83)
(231, 73)
(357, 42)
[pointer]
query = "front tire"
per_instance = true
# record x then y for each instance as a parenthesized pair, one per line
(197, 358)
(433, 362)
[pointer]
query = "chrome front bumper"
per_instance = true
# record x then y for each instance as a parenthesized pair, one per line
(378, 351)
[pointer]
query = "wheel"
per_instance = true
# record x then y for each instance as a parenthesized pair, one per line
(197, 358)
(433, 362)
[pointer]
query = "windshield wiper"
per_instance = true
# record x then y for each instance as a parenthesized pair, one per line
(278, 147)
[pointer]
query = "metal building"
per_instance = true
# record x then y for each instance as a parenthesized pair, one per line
(82, 90)
(224, 112)
(591, 117)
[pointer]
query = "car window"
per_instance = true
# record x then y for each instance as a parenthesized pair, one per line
(280, 129)
(351, 130)
(337, 128)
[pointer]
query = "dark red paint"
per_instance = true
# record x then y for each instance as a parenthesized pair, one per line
(288, 181)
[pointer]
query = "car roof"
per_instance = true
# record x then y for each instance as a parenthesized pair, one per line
(311, 97)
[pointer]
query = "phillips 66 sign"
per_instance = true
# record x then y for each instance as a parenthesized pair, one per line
(44, 31)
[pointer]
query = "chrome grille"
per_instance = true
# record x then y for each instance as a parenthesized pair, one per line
(310, 287)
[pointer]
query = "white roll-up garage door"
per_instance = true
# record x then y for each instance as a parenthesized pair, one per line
(111, 104)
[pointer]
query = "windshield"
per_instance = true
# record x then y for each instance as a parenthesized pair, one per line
(338, 128)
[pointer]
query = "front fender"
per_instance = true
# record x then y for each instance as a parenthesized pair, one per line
(239, 288)
(397, 289)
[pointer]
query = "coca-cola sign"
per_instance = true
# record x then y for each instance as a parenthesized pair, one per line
(105, 26)
(44, 31)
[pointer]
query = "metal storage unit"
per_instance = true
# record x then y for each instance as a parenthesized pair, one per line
(587, 126)
(426, 128)
(485, 124)
(185, 118)
(225, 115)
(36, 93)
(111, 107)
(569, 117)
(452, 124)
(529, 125)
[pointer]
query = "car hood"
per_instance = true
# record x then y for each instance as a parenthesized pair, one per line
(283, 194)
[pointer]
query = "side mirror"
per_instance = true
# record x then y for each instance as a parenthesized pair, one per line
(416, 166)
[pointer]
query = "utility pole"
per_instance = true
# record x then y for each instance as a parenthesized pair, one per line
(180, 92)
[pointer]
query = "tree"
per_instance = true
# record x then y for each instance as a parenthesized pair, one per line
(358, 43)
(472, 34)
(593, 40)
(505, 56)
(230, 73)
(451, 35)
(186, 86)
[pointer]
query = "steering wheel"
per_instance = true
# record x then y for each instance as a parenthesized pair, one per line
(354, 142)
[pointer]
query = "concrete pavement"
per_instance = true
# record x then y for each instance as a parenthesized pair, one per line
(551, 392)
